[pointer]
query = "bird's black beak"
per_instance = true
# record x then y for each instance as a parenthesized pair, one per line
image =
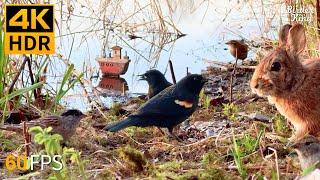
(142, 77)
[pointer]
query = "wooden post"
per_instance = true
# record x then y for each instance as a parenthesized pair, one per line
(172, 72)
(232, 75)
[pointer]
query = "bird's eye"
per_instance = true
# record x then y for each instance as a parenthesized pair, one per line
(308, 143)
(276, 66)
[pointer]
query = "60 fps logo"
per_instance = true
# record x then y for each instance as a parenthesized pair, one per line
(24, 163)
(29, 29)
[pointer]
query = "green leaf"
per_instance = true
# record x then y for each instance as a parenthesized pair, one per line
(60, 93)
(68, 151)
(308, 170)
(52, 178)
(36, 130)
(20, 92)
(48, 129)
(57, 137)
(39, 138)
(49, 147)
(74, 158)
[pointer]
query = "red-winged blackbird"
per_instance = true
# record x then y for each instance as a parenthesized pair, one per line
(65, 125)
(168, 108)
(238, 49)
(156, 81)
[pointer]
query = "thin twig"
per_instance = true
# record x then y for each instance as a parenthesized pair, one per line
(26, 137)
(31, 77)
(18, 74)
(228, 66)
(232, 75)
(218, 136)
(276, 159)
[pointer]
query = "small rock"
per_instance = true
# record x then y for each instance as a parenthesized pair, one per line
(260, 117)
(155, 160)
(256, 116)
(192, 140)
(186, 124)
(210, 132)
(203, 125)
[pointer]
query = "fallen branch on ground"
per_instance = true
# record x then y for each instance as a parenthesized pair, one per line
(228, 66)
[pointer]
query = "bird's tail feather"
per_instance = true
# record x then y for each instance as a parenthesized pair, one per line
(130, 121)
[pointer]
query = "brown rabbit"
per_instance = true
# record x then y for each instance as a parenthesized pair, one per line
(291, 83)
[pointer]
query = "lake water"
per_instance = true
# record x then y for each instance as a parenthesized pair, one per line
(208, 27)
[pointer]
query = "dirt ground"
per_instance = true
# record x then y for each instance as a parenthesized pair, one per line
(215, 136)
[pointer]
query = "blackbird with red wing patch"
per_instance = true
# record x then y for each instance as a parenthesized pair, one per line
(167, 109)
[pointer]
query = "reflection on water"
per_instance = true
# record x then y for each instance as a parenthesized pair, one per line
(208, 27)
(115, 85)
(112, 89)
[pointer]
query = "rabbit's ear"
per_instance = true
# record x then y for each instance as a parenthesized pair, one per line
(296, 41)
(283, 34)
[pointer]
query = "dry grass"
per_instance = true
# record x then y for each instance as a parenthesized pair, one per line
(145, 153)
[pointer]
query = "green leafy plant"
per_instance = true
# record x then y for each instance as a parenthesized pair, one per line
(19, 92)
(209, 158)
(230, 110)
(309, 169)
(75, 157)
(206, 102)
(204, 99)
(280, 124)
(52, 146)
(3, 66)
(248, 143)
(3, 60)
(7, 144)
(50, 142)
(237, 154)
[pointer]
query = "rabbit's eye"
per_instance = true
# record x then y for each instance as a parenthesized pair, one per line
(276, 66)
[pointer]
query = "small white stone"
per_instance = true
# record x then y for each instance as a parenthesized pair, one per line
(210, 132)
(260, 117)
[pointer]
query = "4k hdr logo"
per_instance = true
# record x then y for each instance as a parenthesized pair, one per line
(29, 29)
